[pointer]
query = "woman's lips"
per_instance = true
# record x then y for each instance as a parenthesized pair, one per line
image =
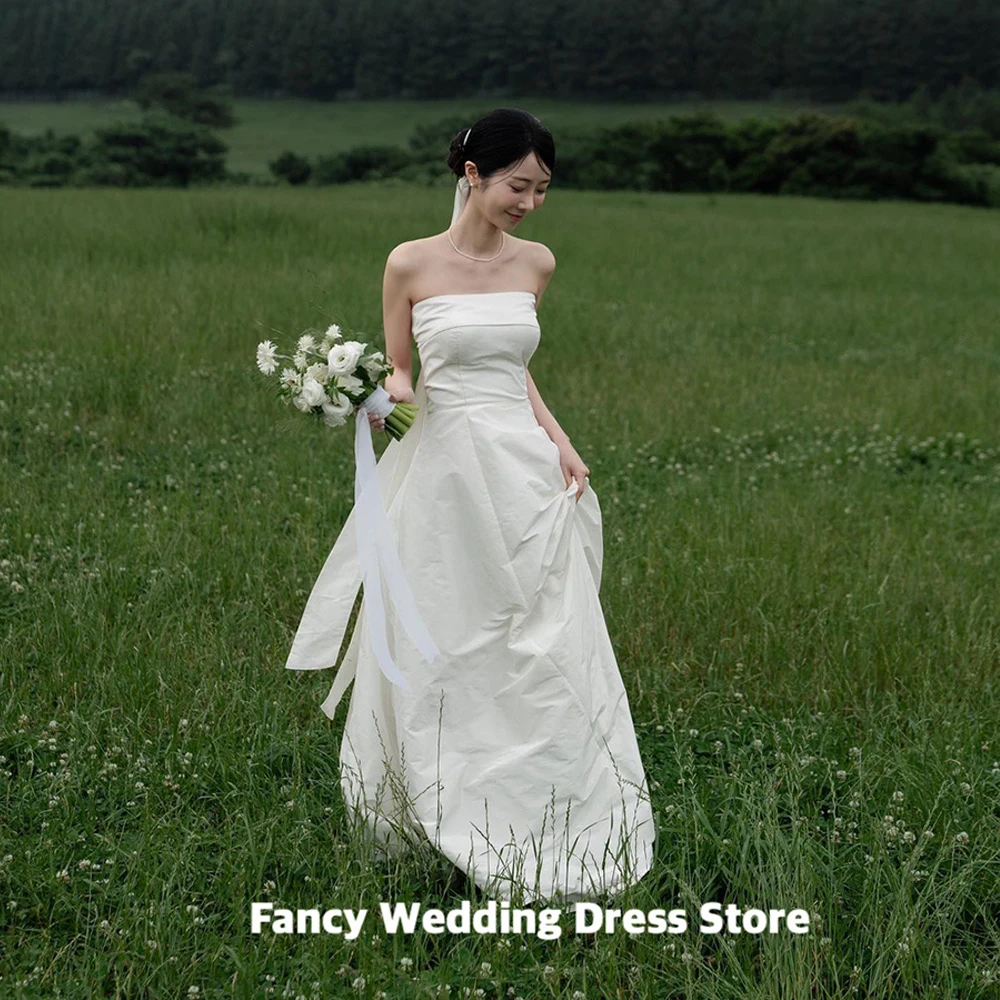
(513, 216)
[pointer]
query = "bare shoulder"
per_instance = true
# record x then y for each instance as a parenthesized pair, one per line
(405, 255)
(544, 258)
(540, 256)
(544, 263)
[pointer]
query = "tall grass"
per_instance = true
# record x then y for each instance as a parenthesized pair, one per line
(789, 408)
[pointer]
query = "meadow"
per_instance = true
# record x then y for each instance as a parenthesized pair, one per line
(266, 128)
(789, 408)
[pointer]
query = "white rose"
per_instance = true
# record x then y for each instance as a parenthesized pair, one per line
(374, 365)
(337, 409)
(349, 383)
(318, 371)
(301, 403)
(343, 358)
(313, 393)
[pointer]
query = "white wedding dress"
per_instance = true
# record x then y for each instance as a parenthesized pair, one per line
(514, 751)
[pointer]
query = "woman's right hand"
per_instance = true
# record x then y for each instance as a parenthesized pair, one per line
(400, 391)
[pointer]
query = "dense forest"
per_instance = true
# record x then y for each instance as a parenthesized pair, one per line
(823, 50)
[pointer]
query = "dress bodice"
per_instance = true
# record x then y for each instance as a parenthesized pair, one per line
(474, 346)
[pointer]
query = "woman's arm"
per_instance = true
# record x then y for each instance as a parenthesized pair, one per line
(398, 334)
(545, 261)
(396, 322)
(542, 414)
(574, 469)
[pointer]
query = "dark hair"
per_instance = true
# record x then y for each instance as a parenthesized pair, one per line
(499, 139)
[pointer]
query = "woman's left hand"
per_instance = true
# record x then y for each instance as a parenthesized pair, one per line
(574, 469)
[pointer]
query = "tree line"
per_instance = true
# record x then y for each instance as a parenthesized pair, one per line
(822, 50)
(809, 154)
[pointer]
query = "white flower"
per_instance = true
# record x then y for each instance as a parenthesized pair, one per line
(343, 358)
(313, 393)
(332, 334)
(349, 383)
(374, 365)
(290, 378)
(265, 357)
(301, 403)
(300, 361)
(337, 409)
(306, 342)
(318, 371)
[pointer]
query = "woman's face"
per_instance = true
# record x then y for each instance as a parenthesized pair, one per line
(513, 192)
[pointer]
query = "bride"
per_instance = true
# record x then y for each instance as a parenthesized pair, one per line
(512, 750)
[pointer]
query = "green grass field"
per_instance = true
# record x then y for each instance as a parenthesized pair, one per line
(789, 408)
(312, 128)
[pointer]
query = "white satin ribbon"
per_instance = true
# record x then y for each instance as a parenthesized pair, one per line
(376, 551)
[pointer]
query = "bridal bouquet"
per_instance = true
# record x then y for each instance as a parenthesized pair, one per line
(332, 376)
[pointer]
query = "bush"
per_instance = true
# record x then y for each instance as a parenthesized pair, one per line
(292, 168)
(160, 149)
(177, 94)
(363, 163)
(814, 153)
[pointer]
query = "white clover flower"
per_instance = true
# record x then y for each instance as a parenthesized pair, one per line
(337, 409)
(961, 838)
(343, 358)
(265, 356)
(313, 393)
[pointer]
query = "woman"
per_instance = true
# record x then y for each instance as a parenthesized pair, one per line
(513, 750)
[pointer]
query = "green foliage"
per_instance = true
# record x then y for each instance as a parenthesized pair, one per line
(160, 149)
(809, 154)
(292, 168)
(362, 163)
(325, 49)
(963, 107)
(157, 150)
(177, 94)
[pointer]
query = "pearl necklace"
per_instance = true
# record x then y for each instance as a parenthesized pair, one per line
(503, 242)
